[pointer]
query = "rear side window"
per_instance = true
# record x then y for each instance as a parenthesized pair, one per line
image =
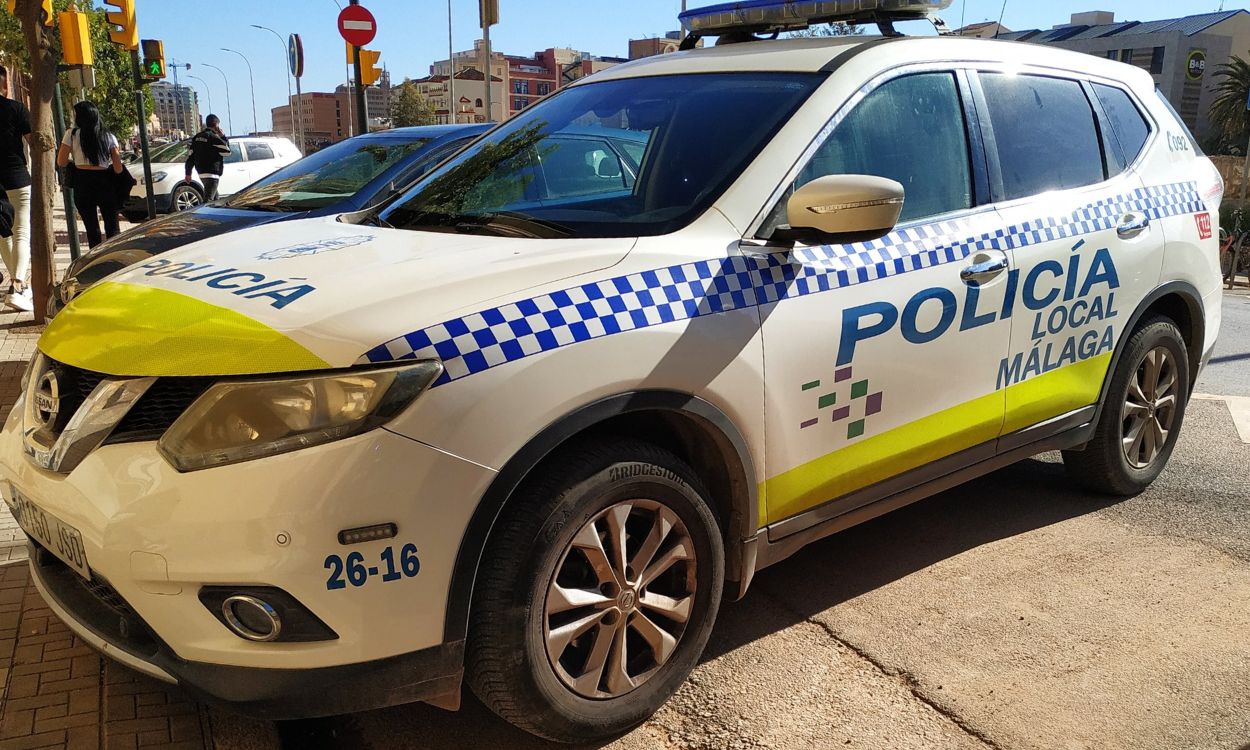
(1127, 125)
(259, 151)
(1045, 133)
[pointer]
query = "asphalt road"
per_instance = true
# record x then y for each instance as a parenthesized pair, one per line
(1013, 612)
(1228, 373)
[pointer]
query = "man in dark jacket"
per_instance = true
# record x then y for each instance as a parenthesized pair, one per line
(209, 148)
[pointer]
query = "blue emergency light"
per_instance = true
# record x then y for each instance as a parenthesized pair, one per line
(776, 16)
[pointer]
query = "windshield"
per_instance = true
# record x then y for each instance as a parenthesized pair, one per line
(171, 152)
(625, 158)
(328, 176)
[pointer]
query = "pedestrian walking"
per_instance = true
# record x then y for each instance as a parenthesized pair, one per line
(15, 181)
(209, 148)
(96, 161)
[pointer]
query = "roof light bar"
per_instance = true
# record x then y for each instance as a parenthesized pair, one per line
(772, 16)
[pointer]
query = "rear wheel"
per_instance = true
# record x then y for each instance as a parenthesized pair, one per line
(1142, 415)
(597, 594)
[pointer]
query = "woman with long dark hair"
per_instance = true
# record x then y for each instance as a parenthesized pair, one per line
(93, 149)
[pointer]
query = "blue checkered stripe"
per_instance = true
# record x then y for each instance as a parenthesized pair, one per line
(507, 333)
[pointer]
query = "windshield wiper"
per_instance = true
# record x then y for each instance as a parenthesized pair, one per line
(510, 224)
(498, 230)
(271, 207)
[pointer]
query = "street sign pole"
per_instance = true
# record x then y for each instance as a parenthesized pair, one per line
(358, 27)
(299, 103)
(295, 48)
(143, 133)
(362, 111)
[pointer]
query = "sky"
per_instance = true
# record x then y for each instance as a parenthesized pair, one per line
(413, 33)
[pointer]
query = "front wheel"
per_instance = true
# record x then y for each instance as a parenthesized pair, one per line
(1142, 415)
(597, 594)
(184, 198)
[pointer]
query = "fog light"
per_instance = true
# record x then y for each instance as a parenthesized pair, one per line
(251, 618)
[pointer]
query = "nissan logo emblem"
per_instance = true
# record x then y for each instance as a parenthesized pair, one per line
(47, 400)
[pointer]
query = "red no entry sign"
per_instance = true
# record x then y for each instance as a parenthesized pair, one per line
(357, 25)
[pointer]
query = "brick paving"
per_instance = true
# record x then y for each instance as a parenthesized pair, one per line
(55, 690)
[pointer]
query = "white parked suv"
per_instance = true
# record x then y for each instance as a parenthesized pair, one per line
(250, 159)
(527, 424)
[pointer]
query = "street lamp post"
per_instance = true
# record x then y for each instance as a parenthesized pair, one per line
(251, 81)
(208, 93)
(229, 114)
(290, 105)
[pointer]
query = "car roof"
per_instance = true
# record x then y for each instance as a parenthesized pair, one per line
(811, 55)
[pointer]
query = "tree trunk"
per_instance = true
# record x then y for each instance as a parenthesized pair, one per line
(44, 55)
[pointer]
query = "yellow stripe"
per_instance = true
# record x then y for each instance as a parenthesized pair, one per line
(936, 436)
(124, 329)
(1058, 392)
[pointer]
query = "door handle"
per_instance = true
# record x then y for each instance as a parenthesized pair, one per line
(987, 267)
(1132, 225)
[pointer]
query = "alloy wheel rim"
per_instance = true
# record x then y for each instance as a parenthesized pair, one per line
(1149, 408)
(620, 598)
(187, 200)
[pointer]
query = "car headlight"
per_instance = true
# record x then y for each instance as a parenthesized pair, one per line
(159, 176)
(242, 420)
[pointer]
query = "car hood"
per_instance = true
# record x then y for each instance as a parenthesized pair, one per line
(160, 236)
(299, 295)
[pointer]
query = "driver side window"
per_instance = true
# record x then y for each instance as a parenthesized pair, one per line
(911, 130)
(235, 155)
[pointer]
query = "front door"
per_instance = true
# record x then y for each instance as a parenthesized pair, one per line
(880, 357)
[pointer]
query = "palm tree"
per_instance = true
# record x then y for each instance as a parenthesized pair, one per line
(1229, 115)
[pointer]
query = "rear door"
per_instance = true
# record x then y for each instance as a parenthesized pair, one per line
(1084, 235)
(262, 161)
(234, 173)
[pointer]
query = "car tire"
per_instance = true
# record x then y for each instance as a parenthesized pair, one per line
(1142, 415)
(536, 580)
(185, 198)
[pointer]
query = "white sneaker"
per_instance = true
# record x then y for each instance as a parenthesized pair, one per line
(21, 301)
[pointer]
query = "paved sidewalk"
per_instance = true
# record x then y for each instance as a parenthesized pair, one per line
(55, 691)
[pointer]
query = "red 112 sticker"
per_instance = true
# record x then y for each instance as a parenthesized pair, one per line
(1204, 226)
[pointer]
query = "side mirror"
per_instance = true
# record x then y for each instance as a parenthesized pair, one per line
(609, 168)
(843, 208)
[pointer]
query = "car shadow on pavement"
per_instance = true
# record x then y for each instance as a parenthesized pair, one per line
(1017, 499)
(1027, 496)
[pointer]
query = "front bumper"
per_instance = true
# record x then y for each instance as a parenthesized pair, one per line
(103, 620)
(153, 537)
(138, 204)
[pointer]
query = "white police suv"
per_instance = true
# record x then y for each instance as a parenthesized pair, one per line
(527, 424)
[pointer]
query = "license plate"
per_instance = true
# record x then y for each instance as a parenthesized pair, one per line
(55, 535)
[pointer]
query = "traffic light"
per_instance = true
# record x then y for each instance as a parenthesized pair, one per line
(153, 59)
(47, 10)
(76, 38)
(369, 71)
(123, 28)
